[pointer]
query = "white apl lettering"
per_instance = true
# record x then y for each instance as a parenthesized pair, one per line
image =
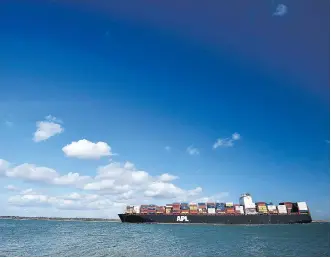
(182, 218)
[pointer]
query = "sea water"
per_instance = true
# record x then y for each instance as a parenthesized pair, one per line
(70, 238)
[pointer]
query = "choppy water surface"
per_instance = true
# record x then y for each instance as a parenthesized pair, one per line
(52, 238)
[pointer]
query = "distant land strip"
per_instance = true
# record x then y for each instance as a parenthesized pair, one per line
(58, 219)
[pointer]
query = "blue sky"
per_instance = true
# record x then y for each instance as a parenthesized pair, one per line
(143, 80)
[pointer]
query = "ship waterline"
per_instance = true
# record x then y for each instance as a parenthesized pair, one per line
(217, 219)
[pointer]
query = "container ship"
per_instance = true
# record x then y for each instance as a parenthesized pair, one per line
(246, 212)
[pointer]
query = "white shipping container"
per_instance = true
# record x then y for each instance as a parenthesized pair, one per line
(136, 209)
(211, 210)
(282, 209)
(272, 207)
(241, 209)
(302, 206)
(237, 208)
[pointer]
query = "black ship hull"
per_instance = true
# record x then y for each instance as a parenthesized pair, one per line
(217, 219)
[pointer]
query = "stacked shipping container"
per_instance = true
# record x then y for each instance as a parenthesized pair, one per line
(221, 208)
(272, 209)
(193, 208)
(288, 206)
(144, 209)
(184, 208)
(250, 208)
(176, 208)
(229, 208)
(168, 209)
(160, 209)
(151, 209)
(261, 207)
(303, 208)
(202, 208)
(282, 209)
(211, 208)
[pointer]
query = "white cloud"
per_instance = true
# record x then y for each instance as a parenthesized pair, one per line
(74, 196)
(31, 172)
(29, 200)
(235, 136)
(194, 192)
(167, 177)
(84, 149)
(114, 170)
(48, 128)
(53, 119)
(71, 202)
(28, 191)
(227, 142)
(127, 182)
(4, 165)
(281, 10)
(129, 165)
(192, 151)
(139, 177)
(71, 179)
(220, 197)
(163, 190)
(223, 142)
(168, 191)
(11, 188)
(101, 185)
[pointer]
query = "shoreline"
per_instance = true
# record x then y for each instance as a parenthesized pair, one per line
(58, 219)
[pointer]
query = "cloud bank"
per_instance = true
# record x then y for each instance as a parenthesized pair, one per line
(113, 185)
